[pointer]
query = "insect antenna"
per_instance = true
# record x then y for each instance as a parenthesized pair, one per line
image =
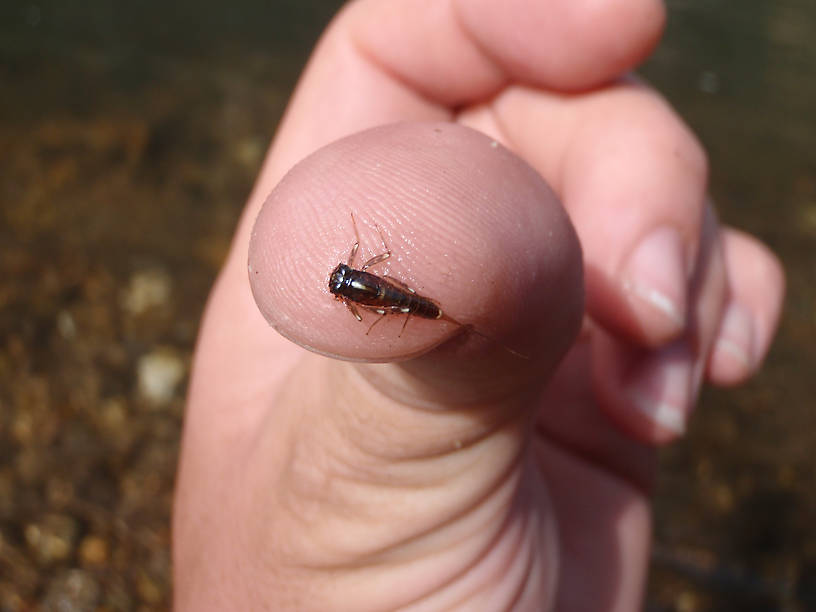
(470, 328)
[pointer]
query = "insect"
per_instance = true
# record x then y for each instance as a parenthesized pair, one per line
(384, 295)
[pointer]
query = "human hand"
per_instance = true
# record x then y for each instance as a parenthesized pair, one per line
(462, 476)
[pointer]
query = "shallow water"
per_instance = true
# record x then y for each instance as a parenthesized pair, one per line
(131, 137)
(736, 503)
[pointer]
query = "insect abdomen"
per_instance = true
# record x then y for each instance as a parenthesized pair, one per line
(381, 295)
(398, 300)
(425, 308)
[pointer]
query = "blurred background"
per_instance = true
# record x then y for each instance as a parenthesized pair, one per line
(130, 134)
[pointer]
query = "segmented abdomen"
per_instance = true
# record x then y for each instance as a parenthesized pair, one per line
(377, 293)
(397, 300)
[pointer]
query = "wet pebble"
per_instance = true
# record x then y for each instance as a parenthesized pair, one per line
(159, 373)
(150, 590)
(53, 538)
(93, 550)
(146, 289)
(72, 590)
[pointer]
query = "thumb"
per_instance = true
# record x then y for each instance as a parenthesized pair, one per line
(405, 457)
(469, 226)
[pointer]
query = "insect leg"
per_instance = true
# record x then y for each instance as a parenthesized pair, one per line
(353, 310)
(378, 258)
(408, 316)
(382, 316)
(356, 245)
(375, 260)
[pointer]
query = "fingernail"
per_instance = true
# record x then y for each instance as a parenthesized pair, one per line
(736, 338)
(663, 387)
(655, 274)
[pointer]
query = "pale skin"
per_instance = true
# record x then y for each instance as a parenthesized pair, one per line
(381, 472)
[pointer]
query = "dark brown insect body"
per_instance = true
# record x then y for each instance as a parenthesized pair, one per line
(382, 295)
(385, 295)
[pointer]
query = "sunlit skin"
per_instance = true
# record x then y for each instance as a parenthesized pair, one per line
(531, 189)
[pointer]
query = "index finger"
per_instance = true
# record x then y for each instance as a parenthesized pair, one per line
(381, 62)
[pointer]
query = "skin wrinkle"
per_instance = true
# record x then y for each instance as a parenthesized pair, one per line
(492, 84)
(396, 77)
(407, 461)
(381, 453)
(490, 487)
(398, 379)
(363, 385)
(503, 76)
(521, 530)
(444, 448)
(598, 463)
(535, 532)
(523, 585)
(453, 469)
(524, 535)
(380, 556)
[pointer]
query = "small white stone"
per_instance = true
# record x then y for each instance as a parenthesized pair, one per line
(147, 288)
(159, 373)
(66, 325)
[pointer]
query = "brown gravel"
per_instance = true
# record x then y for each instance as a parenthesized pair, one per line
(127, 153)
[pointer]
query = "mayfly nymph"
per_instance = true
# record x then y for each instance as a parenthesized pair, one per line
(384, 295)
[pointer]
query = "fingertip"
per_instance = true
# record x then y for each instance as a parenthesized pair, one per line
(757, 285)
(655, 284)
(536, 42)
(639, 214)
(470, 226)
(647, 394)
(765, 296)
(733, 356)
